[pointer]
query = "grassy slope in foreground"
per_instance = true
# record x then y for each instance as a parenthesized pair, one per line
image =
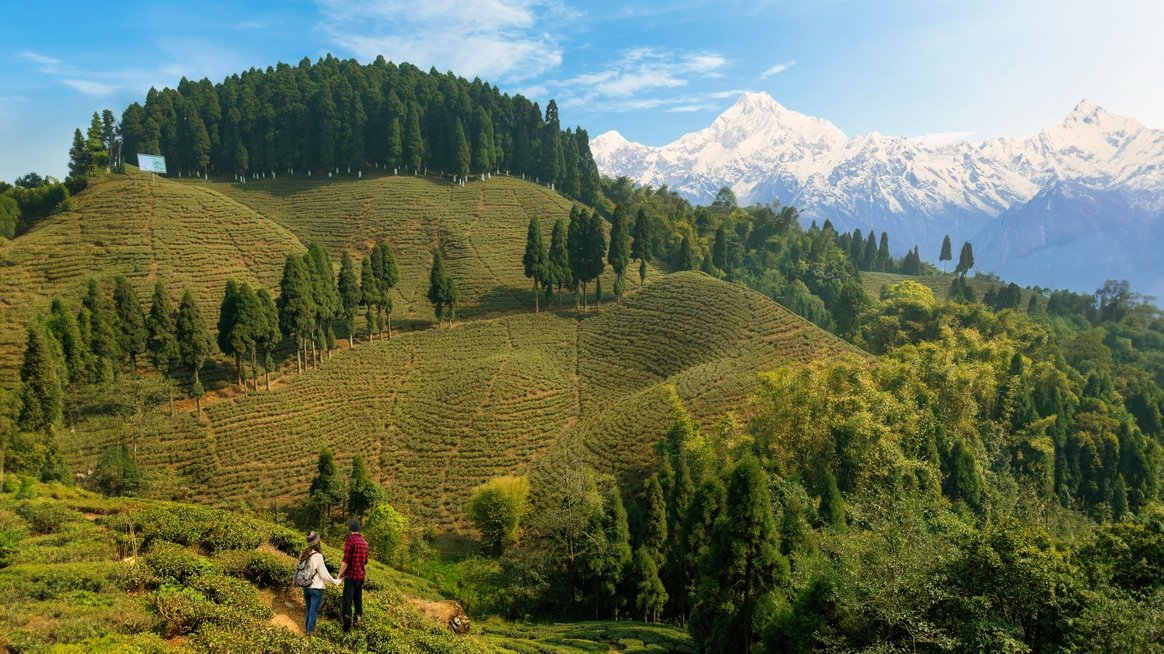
(438, 411)
(75, 578)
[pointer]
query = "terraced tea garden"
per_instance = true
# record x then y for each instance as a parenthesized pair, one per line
(438, 411)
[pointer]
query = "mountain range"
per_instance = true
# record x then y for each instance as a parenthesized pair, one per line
(1069, 207)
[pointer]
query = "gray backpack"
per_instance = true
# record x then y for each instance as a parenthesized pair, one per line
(304, 575)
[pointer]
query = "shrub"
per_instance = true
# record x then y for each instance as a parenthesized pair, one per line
(41, 583)
(226, 535)
(287, 541)
(176, 563)
(135, 576)
(496, 509)
(262, 639)
(235, 593)
(44, 517)
(182, 610)
(265, 569)
(386, 530)
(117, 473)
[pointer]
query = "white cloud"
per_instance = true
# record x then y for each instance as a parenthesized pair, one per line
(38, 58)
(777, 69)
(535, 91)
(621, 85)
(89, 87)
(494, 39)
(943, 138)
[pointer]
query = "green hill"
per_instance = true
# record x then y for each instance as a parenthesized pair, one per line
(196, 235)
(438, 411)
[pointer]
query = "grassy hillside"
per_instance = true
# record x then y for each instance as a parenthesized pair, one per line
(187, 236)
(198, 234)
(939, 284)
(84, 574)
(438, 411)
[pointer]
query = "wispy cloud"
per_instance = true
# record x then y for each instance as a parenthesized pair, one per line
(89, 87)
(777, 69)
(621, 84)
(496, 39)
(37, 58)
(943, 138)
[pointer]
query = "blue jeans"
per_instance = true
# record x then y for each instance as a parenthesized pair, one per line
(312, 598)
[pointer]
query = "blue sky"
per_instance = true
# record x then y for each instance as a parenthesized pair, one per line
(653, 71)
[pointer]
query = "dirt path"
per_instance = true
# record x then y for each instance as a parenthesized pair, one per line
(288, 613)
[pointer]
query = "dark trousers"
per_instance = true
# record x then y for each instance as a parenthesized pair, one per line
(353, 597)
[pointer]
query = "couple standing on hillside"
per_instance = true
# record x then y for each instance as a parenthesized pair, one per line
(352, 572)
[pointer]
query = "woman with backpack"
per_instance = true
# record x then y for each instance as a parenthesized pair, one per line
(311, 574)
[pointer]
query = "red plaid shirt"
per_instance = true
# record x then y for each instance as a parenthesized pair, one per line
(356, 556)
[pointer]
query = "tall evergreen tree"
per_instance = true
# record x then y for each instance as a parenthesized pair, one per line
(95, 144)
(363, 493)
(79, 161)
(641, 243)
(387, 274)
(131, 320)
(460, 155)
(369, 294)
(559, 259)
(350, 296)
(42, 397)
(438, 285)
(650, 595)
(965, 259)
(947, 251)
(268, 335)
(74, 349)
(296, 305)
(535, 260)
(687, 257)
(884, 261)
(103, 332)
(325, 292)
(743, 563)
(162, 345)
(832, 507)
(230, 328)
(615, 561)
(249, 330)
(620, 250)
(654, 536)
(194, 342)
(327, 488)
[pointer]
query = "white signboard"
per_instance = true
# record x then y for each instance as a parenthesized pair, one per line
(151, 163)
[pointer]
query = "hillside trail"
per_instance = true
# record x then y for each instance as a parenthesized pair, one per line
(289, 614)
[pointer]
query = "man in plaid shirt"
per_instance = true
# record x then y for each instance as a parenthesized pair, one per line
(352, 572)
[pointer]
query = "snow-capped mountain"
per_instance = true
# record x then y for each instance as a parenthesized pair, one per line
(1005, 195)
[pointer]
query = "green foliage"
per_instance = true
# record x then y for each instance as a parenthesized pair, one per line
(496, 510)
(535, 261)
(650, 596)
(264, 569)
(387, 533)
(327, 488)
(42, 395)
(175, 563)
(363, 493)
(117, 473)
(194, 343)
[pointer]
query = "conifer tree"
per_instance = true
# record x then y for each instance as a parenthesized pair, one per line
(413, 141)
(95, 144)
(870, 261)
(655, 520)
(535, 261)
(460, 156)
(363, 493)
(131, 320)
(79, 160)
(268, 335)
(369, 294)
(743, 564)
(965, 259)
(641, 243)
(296, 305)
(620, 250)
(248, 332)
(350, 296)
(103, 340)
(595, 252)
(559, 259)
(325, 292)
(576, 247)
(615, 561)
(327, 488)
(228, 321)
(687, 258)
(163, 338)
(947, 252)
(387, 274)
(832, 507)
(650, 595)
(193, 341)
(884, 261)
(74, 349)
(42, 397)
(438, 286)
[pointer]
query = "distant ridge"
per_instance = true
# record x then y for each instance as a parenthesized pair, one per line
(920, 191)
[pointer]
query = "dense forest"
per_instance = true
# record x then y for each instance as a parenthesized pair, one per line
(339, 116)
